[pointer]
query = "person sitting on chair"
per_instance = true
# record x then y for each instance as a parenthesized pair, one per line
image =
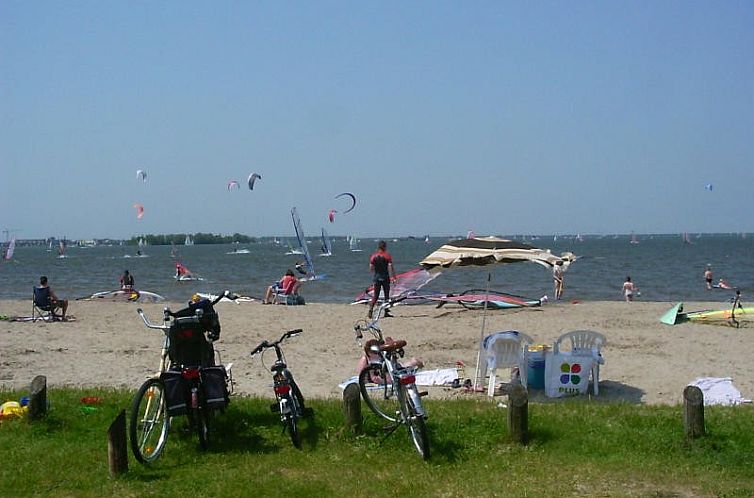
(127, 281)
(55, 303)
(288, 285)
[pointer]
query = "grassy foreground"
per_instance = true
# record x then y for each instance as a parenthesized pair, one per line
(577, 448)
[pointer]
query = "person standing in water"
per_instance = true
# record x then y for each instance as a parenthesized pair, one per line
(558, 275)
(381, 264)
(628, 289)
(708, 277)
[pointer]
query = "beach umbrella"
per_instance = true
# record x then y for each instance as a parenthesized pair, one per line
(483, 251)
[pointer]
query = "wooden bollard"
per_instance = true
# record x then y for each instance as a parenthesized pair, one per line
(117, 454)
(38, 398)
(693, 412)
(352, 408)
(518, 414)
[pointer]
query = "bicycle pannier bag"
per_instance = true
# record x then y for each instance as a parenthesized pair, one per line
(214, 382)
(176, 392)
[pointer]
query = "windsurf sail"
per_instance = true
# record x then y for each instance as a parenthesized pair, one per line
(302, 243)
(326, 245)
(405, 284)
(476, 298)
(9, 250)
(353, 244)
(676, 315)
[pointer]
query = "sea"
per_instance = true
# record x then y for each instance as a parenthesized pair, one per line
(662, 267)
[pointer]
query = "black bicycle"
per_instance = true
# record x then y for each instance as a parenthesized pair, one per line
(187, 383)
(289, 400)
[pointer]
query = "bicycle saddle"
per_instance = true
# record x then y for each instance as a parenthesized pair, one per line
(393, 345)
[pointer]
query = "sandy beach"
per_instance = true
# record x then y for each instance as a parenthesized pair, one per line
(108, 345)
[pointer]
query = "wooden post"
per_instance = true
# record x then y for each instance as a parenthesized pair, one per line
(518, 414)
(38, 398)
(352, 408)
(117, 454)
(693, 412)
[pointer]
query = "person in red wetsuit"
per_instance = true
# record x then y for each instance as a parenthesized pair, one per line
(381, 264)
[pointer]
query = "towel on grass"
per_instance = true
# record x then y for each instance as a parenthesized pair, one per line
(719, 391)
(438, 377)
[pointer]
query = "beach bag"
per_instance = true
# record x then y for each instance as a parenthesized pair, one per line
(567, 375)
(176, 392)
(214, 383)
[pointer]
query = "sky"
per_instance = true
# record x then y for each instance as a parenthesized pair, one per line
(440, 117)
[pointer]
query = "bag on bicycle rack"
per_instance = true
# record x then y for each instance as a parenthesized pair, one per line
(176, 392)
(215, 382)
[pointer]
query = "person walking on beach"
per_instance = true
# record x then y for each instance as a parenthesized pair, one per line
(558, 274)
(708, 277)
(628, 289)
(381, 264)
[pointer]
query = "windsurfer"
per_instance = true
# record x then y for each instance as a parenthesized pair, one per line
(181, 271)
(301, 267)
(381, 264)
(722, 284)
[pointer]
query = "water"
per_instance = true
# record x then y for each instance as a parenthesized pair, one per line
(661, 266)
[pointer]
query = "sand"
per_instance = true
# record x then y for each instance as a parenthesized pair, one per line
(108, 345)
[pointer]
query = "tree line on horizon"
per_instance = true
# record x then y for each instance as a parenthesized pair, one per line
(198, 238)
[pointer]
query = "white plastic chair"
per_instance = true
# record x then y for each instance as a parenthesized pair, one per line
(585, 343)
(505, 350)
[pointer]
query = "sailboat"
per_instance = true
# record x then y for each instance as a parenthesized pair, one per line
(188, 241)
(634, 240)
(49, 247)
(353, 244)
(293, 251)
(326, 245)
(685, 238)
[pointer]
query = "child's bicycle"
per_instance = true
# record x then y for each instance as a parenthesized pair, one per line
(289, 400)
(187, 383)
(388, 388)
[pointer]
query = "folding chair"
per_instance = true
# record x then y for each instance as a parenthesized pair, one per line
(41, 305)
(585, 343)
(506, 350)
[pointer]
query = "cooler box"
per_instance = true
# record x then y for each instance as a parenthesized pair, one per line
(535, 368)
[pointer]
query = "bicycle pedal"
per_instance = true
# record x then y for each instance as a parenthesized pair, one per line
(423, 393)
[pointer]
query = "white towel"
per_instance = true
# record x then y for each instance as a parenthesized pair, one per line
(438, 377)
(719, 391)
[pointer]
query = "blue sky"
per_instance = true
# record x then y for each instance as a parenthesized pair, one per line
(441, 117)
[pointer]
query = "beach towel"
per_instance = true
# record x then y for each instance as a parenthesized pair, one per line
(719, 391)
(437, 377)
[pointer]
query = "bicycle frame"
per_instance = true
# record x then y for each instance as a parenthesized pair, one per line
(289, 401)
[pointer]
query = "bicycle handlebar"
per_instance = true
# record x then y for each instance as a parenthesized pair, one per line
(266, 344)
(167, 312)
(150, 324)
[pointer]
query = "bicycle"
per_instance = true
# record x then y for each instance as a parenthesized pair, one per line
(187, 383)
(289, 400)
(388, 388)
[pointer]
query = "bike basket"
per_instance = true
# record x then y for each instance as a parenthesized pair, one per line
(214, 382)
(176, 392)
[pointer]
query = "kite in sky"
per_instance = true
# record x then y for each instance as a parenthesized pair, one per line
(253, 178)
(141, 175)
(139, 211)
(233, 185)
(353, 201)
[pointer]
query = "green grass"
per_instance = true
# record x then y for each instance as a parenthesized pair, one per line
(576, 448)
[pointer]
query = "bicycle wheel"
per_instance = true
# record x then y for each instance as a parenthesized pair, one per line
(291, 422)
(149, 423)
(199, 420)
(380, 398)
(417, 428)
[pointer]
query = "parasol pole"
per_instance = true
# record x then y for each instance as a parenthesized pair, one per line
(478, 376)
